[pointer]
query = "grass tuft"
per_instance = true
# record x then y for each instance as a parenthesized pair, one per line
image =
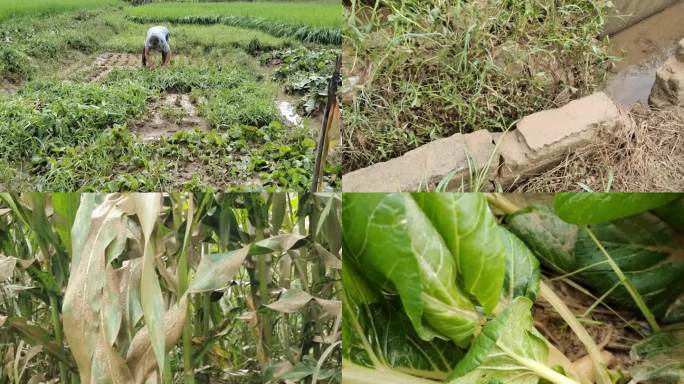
(427, 70)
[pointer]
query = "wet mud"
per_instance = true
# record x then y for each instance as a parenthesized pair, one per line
(643, 48)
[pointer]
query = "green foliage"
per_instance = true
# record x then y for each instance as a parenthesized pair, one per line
(429, 274)
(15, 8)
(593, 208)
(431, 69)
(509, 350)
(307, 34)
(15, 64)
(660, 358)
(61, 134)
(308, 13)
(50, 117)
(304, 71)
(248, 104)
(407, 258)
(441, 253)
(642, 246)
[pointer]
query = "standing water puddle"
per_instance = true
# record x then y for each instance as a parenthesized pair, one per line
(644, 47)
(289, 113)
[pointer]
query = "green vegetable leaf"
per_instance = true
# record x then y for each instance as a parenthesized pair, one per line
(509, 350)
(644, 248)
(389, 336)
(593, 208)
(466, 224)
(399, 250)
(522, 268)
(672, 214)
(661, 358)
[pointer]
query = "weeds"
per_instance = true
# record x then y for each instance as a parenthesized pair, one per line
(427, 70)
(46, 118)
(14, 64)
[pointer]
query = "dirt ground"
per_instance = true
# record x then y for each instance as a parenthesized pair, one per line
(614, 332)
(173, 112)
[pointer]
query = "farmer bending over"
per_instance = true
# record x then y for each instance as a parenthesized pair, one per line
(157, 38)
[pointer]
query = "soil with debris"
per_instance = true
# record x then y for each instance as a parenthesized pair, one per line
(8, 87)
(173, 112)
(612, 330)
(647, 155)
(106, 62)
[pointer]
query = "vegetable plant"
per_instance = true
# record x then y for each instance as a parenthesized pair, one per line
(443, 287)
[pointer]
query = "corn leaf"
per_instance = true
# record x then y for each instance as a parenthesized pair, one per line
(83, 299)
(147, 207)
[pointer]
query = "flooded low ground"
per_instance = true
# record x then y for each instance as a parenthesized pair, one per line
(643, 47)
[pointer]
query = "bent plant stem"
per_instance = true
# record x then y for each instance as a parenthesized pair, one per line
(356, 374)
(500, 202)
(626, 282)
(263, 293)
(538, 368)
(557, 303)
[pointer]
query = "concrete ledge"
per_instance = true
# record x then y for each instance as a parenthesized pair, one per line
(539, 141)
(424, 167)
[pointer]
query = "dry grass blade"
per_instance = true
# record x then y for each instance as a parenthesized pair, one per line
(645, 156)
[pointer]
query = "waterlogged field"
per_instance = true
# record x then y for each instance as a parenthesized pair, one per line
(78, 111)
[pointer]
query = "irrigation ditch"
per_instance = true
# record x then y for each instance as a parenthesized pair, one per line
(625, 113)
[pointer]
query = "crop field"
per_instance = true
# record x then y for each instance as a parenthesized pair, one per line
(79, 112)
(327, 13)
(248, 291)
(14, 8)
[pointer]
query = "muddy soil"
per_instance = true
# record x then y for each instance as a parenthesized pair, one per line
(608, 327)
(106, 62)
(173, 112)
(7, 87)
(644, 47)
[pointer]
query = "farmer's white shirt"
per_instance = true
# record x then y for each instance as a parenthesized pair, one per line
(158, 38)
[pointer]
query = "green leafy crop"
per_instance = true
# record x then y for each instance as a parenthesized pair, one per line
(439, 287)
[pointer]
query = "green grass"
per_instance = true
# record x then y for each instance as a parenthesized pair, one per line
(315, 14)
(60, 133)
(428, 70)
(15, 8)
(187, 38)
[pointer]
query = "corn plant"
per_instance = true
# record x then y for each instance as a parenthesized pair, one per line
(139, 288)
